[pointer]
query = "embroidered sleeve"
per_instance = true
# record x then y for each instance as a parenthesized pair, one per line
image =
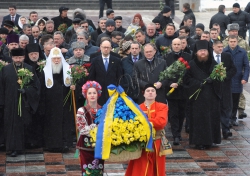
(82, 124)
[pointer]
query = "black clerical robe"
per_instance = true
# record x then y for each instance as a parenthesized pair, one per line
(15, 126)
(205, 110)
(57, 118)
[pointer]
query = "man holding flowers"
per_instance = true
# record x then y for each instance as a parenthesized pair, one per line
(226, 100)
(177, 99)
(19, 96)
(204, 94)
(153, 162)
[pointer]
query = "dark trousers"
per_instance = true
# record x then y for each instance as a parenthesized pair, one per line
(176, 115)
(170, 3)
(187, 114)
(225, 115)
(1, 126)
(102, 5)
(236, 98)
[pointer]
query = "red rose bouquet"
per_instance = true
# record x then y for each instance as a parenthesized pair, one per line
(175, 70)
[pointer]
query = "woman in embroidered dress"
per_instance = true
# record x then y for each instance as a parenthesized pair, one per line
(91, 90)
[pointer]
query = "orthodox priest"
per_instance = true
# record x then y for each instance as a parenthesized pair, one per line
(205, 110)
(15, 124)
(55, 85)
(33, 57)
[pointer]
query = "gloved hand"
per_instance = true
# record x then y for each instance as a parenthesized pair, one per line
(209, 80)
(22, 91)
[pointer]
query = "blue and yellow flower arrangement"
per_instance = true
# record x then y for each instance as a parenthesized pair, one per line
(122, 126)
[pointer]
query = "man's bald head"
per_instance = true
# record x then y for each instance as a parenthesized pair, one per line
(176, 45)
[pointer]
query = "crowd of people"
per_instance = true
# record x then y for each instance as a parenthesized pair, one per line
(38, 115)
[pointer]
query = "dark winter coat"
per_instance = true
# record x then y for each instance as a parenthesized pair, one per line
(103, 77)
(241, 63)
(95, 34)
(164, 20)
(146, 72)
(221, 19)
(132, 90)
(165, 40)
(191, 14)
(121, 29)
(227, 60)
(59, 20)
(247, 9)
(89, 49)
(105, 34)
(170, 58)
(243, 19)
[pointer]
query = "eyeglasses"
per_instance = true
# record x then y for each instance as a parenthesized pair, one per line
(85, 26)
(80, 38)
(118, 38)
(35, 32)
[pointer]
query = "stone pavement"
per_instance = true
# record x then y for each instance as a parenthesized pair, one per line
(231, 157)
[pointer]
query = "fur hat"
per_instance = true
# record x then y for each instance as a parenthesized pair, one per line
(12, 38)
(17, 52)
(76, 45)
(233, 26)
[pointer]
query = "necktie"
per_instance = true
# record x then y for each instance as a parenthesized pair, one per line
(106, 64)
(12, 18)
(134, 59)
(218, 58)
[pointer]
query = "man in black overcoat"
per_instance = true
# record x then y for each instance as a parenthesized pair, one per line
(147, 71)
(226, 101)
(176, 100)
(105, 69)
(15, 124)
(204, 111)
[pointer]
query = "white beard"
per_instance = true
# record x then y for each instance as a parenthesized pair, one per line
(56, 68)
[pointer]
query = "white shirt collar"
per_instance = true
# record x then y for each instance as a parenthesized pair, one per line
(215, 58)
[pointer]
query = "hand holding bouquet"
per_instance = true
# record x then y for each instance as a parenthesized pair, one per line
(24, 77)
(218, 73)
(175, 70)
(76, 73)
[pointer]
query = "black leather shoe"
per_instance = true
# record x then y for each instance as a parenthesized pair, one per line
(227, 134)
(176, 141)
(65, 149)
(234, 123)
(200, 147)
(13, 154)
(242, 116)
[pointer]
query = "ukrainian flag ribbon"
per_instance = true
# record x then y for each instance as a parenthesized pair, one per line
(103, 138)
